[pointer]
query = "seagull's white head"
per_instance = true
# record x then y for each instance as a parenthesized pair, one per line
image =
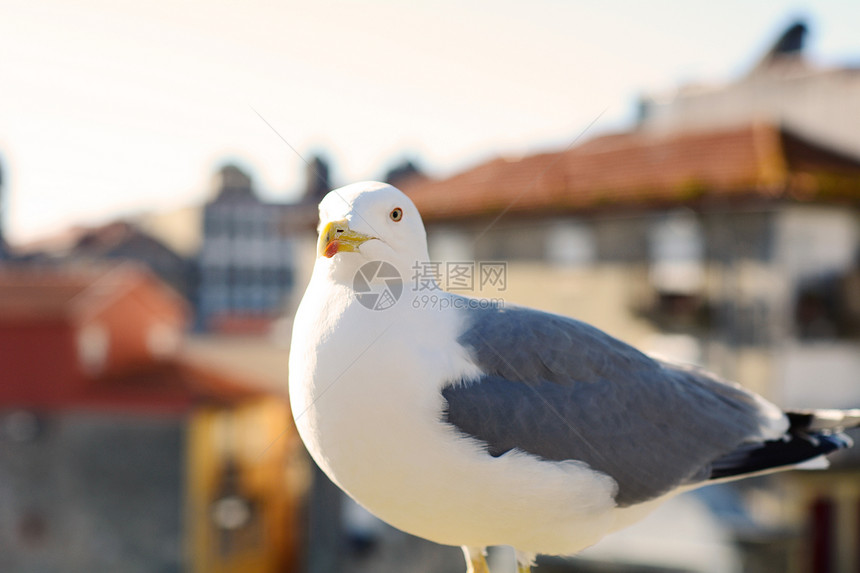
(370, 221)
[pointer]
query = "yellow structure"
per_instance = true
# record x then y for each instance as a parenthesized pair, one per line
(246, 476)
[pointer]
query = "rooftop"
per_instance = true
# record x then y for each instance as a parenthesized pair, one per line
(172, 385)
(640, 169)
(142, 365)
(32, 291)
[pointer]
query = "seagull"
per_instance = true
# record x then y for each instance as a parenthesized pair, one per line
(477, 425)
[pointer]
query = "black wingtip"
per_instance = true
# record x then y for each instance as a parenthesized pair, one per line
(795, 449)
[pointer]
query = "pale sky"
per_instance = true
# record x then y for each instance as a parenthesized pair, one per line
(110, 107)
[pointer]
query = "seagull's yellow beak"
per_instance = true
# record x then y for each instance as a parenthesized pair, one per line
(337, 237)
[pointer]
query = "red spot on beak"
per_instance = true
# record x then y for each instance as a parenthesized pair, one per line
(331, 249)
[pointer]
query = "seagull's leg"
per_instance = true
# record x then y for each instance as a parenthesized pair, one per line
(475, 562)
(525, 562)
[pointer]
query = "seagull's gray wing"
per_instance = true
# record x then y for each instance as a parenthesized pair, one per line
(563, 390)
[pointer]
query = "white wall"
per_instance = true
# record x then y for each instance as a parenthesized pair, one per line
(824, 105)
(820, 375)
(816, 240)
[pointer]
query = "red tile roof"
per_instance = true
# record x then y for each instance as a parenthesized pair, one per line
(35, 294)
(54, 300)
(638, 168)
(64, 291)
(169, 385)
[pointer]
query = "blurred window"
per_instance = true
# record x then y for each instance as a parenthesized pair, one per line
(570, 244)
(449, 244)
(677, 251)
(828, 307)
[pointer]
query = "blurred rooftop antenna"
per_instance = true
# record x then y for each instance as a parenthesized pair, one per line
(789, 46)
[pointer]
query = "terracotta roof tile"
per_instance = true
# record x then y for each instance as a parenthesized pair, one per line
(42, 292)
(62, 291)
(177, 380)
(632, 168)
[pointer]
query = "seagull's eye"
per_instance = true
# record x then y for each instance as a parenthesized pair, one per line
(396, 214)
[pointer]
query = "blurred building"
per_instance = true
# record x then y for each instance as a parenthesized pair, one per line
(125, 241)
(736, 248)
(180, 229)
(4, 248)
(317, 180)
(112, 243)
(233, 259)
(783, 88)
(122, 454)
(245, 260)
(402, 172)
